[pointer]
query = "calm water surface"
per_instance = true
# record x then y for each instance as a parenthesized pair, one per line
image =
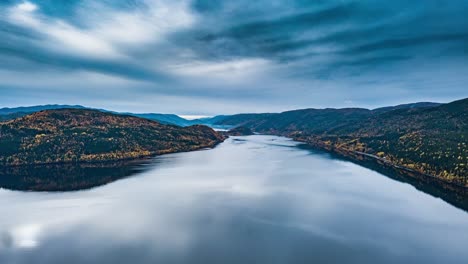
(257, 199)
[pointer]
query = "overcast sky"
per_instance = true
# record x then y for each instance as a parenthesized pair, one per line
(205, 57)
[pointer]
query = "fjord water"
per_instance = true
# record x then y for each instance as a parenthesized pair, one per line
(256, 199)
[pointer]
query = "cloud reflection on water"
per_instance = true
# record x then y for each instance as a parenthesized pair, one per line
(263, 201)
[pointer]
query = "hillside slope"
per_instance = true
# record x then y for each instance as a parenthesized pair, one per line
(78, 135)
(311, 120)
(428, 138)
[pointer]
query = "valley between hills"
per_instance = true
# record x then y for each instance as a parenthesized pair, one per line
(427, 139)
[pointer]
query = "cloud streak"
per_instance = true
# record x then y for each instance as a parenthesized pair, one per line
(279, 55)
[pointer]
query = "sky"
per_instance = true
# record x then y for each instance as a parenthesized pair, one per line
(207, 57)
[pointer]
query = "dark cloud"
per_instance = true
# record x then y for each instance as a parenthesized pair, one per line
(402, 43)
(354, 28)
(70, 63)
(230, 50)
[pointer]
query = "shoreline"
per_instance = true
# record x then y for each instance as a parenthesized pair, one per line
(450, 192)
(357, 155)
(104, 161)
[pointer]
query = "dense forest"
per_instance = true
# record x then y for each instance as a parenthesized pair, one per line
(80, 135)
(427, 138)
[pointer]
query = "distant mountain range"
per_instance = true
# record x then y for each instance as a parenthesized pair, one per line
(217, 121)
(83, 135)
(37, 108)
(300, 116)
(12, 113)
(168, 119)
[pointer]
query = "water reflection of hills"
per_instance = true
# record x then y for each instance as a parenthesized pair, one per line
(452, 194)
(68, 177)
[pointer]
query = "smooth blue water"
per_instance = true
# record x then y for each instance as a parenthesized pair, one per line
(256, 199)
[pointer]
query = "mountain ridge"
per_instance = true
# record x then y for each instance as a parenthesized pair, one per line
(83, 135)
(9, 113)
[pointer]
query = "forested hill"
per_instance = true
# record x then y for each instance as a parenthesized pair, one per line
(79, 135)
(428, 139)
